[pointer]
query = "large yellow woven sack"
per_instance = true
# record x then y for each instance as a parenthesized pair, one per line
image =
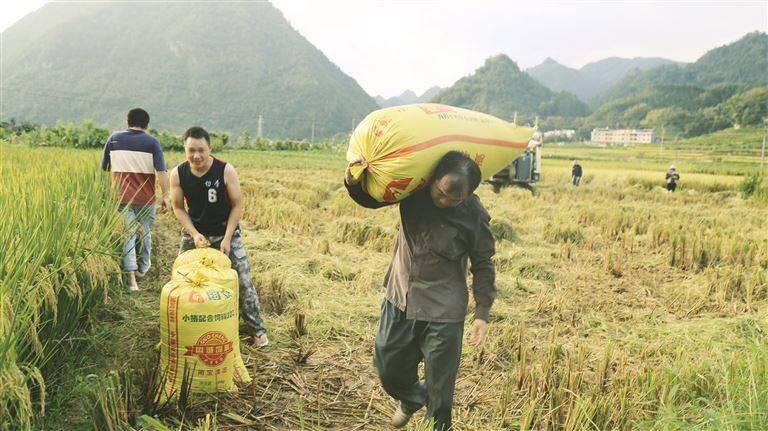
(198, 332)
(217, 268)
(403, 144)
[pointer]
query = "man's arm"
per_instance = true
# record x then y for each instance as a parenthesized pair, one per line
(482, 268)
(236, 201)
(177, 202)
(483, 278)
(362, 198)
(106, 161)
(158, 161)
(165, 187)
(106, 165)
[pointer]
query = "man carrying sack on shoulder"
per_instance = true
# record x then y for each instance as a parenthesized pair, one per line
(442, 226)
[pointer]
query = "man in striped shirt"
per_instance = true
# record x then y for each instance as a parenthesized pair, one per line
(134, 157)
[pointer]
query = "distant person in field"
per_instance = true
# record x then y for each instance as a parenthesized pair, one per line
(672, 178)
(576, 173)
(422, 316)
(211, 189)
(135, 159)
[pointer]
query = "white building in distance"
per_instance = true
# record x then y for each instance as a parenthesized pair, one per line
(626, 137)
(560, 133)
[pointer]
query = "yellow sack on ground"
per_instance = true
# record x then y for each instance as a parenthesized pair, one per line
(198, 331)
(217, 268)
(207, 263)
(403, 144)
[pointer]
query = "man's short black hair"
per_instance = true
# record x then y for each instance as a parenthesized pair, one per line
(197, 132)
(138, 117)
(464, 169)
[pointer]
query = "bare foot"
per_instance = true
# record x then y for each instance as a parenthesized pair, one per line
(132, 285)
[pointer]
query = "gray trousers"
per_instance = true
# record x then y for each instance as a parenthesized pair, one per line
(250, 309)
(401, 344)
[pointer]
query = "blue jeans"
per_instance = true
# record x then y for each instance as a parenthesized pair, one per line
(136, 215)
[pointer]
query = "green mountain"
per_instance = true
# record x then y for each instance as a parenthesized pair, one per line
(407, 97)
(744, 62)
(430, 94)
(593, 78)
(610, 70)
(727, 86)
(220, 65)
(558, 77)
(500, 88)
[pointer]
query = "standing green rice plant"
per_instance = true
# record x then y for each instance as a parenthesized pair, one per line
(112, 403)
(750, 185)
(58, 261)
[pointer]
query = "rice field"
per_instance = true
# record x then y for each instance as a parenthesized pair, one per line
(59, 235)
(619, 306)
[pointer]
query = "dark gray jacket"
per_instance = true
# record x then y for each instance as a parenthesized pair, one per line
(427, 276)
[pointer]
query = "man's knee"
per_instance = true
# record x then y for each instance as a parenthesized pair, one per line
(385, 369)
(244, 281)
(392, 381)
(394, 372)
(387, 374)
(240, 262)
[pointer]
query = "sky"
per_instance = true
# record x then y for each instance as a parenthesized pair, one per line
(13, 10)
(390, 46)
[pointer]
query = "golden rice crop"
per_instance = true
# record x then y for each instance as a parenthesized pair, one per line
(619, 306)
(57, 261)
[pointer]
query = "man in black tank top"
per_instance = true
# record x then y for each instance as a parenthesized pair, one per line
(213, 210)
